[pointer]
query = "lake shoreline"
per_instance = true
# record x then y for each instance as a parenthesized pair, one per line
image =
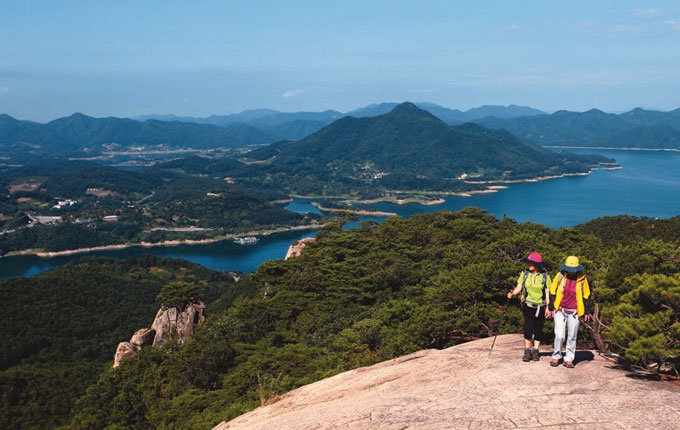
(610, 148)
(497, 185)
(353, 211)
(603, 166)
(168, 243)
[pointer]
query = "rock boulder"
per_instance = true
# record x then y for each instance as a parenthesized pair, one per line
(142, 337)
(124, 350)
(171, 321)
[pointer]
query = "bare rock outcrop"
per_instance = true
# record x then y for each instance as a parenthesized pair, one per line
(141, 337)
(169, 323)
(124, 350)
(295, 249)
(465, 387)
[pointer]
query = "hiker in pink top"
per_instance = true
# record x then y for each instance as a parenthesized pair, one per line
(569, 300)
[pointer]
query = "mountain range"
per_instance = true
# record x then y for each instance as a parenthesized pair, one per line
(78, 134)
(296, 125)
(638, 128)
(410, 148)
(593, 128)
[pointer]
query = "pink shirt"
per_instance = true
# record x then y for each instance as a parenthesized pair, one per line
(569, 294)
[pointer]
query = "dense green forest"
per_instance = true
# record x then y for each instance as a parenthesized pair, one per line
(380, 291)
(65, 325)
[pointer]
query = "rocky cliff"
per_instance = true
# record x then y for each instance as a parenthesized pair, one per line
(169, 323)
(296, 248)
(466, 387)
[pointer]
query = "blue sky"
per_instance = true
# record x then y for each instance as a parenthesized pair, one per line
(125, 58)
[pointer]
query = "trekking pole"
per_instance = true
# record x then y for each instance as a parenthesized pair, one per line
(499, 328)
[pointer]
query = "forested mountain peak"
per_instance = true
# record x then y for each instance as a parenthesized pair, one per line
(410, 142)
(410, 110)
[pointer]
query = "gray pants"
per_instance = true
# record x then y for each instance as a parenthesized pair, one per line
(571, 322)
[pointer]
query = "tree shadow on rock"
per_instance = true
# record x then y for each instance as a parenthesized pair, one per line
(633, 372)
(581, 356)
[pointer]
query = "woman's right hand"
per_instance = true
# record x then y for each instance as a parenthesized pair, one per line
(510, 294)
(549, 314)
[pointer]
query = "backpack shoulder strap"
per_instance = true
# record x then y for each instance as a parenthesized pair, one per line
(560, 278)
(523, 294)
(545, 283)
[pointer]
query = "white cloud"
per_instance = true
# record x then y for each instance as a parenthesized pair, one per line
(512, 27)
(291, 93)
(647, 12)
(625, 28)
(674, 24)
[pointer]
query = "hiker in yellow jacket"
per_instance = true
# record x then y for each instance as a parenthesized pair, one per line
(569, 300)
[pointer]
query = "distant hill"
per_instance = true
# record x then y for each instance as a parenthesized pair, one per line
(450, 116)
(245, 116)
(327, 116)
(296, 129)
(410, 147)
(374, 109)
(501, 112)
(592, 128)
(655, 136)
(283, 125)
(296, 125)
(80, 133)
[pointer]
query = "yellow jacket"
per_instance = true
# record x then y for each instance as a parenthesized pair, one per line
(582, 293)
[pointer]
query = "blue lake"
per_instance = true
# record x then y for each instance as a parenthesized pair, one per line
(648, 185)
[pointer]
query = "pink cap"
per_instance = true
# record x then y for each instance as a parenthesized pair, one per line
(534, 258)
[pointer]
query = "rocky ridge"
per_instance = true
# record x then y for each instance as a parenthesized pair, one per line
(466, 387)
(169, 323)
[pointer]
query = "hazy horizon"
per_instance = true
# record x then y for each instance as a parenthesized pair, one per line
(128, 59)
(161, 114)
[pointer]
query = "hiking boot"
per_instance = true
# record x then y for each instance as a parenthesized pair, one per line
(554, 363)
(569, 364)
(535, 356)
(527, 355)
